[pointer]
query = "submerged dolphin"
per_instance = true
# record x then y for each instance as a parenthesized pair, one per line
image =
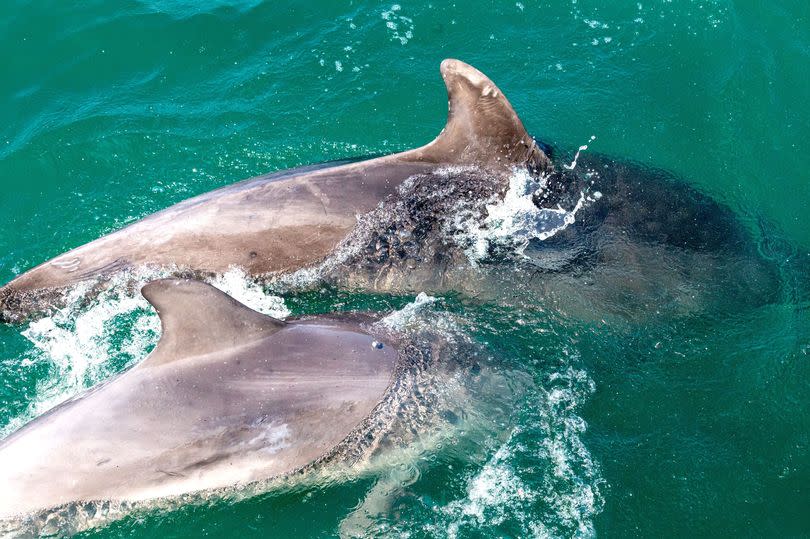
(228, 396)
(287, 220)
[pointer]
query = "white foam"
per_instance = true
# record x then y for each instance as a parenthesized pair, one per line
(77, 346)
(515, 220)
(582, 148)
(401, 319)
(237, 284)
(491, 495)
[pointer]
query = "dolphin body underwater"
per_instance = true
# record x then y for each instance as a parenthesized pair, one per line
(228, 398)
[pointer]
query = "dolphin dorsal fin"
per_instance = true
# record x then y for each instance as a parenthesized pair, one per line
(482, 127)
(197, 319)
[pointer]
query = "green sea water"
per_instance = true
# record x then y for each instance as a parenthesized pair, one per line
(111, 110)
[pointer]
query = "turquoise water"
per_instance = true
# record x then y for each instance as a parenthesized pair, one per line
(698, 426)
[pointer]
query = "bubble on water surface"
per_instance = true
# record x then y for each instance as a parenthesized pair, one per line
(400, 27)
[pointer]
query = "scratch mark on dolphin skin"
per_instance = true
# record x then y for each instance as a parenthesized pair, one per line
(170, 474)
(115, 265)
(69, 264)
(320, 195)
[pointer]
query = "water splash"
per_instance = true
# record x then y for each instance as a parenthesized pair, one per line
(539, 479)
(492, 495)
(515, 220)
(581, 149)
(403, 318)
(237, 284)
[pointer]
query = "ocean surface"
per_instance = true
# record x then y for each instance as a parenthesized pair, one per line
(695, 426)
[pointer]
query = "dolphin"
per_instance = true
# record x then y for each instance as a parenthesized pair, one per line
(287, 220)
(228, 396)
(594, 238)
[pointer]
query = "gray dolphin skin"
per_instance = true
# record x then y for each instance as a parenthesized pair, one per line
(284, 221)
(609, 237)
(228, 396)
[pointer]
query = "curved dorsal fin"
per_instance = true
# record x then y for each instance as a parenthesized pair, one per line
(197, 318)
(482, 127)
